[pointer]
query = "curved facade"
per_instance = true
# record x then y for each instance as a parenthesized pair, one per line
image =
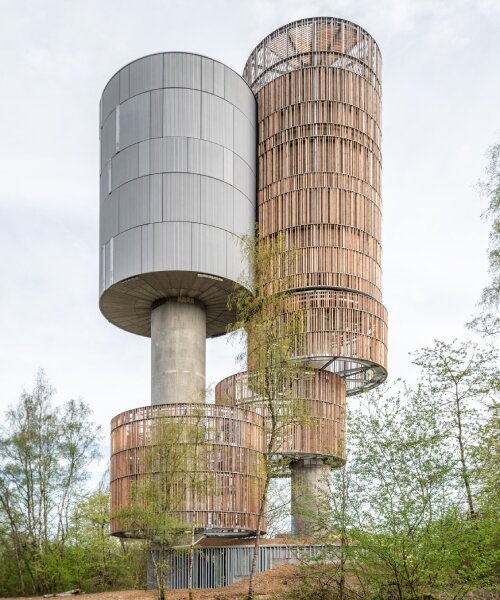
(177, 187)
(317, 84)
(316, 431)
(223, 453)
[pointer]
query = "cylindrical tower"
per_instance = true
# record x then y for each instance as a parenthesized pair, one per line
(317, 85)
(221, 492)
(178, 161)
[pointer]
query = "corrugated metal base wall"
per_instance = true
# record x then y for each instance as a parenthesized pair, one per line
(221, 566)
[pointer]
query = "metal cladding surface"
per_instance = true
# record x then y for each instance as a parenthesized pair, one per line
(317, 84)
(317, 430)
(221, 494)
(178, 164)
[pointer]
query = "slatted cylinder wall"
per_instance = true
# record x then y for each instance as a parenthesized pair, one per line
(312, 412)
(317, 84)
(206, 458)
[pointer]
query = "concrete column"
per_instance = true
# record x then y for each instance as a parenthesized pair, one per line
(178, 332)
(310, 491)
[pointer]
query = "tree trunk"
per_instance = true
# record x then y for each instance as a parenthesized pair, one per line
(463, 464)
(253, 569)
(190, 565)
(263, 498)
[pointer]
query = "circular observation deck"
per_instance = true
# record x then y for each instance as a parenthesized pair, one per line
(310, 411)
(204, 461)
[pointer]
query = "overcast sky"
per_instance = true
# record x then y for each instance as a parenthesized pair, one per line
(441, 111)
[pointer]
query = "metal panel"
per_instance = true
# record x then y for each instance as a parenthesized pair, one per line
(125, 166)
(126, 255)
(124, 84)
(110, 97)
(146, 74)
(244, 139)
(155, 198)
(107, 260)
(182, 70)
(181, 112)
(216, 203)
(169, 154)
(238, 93)
(103, 184)
(228, 166)
(219, 70)
(108, 139)
(222, 566)
(147, 248)
(134, 120)
(205, 158)
(181, 197)
(134, 203)
(144, 166)
(237, 262)
(244, 178)
(109, 217)
(172, 246)
(209, 249)
(156, 113)
(124, 75)
(245, 215)
(102, 268)
(217, 120)
(207, 74)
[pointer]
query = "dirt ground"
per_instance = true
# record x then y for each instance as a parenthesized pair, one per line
(266, 583)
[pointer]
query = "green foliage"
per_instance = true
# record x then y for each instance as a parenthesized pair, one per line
(271, 322)
(488, 321)
(44, 453)
(53, 534)
(461, 381)
(100, 561)
(318, 581)
(415, 508)
(173, 475)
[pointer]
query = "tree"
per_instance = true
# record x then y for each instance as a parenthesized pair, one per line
(44, 454)
(401, 525)
(272, 323)
(461, 380)
(488, 321)
(400, 473)
(416, 505)
(95, 560)
(174, 472)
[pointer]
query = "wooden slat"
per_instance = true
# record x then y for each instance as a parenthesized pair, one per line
(228, 463)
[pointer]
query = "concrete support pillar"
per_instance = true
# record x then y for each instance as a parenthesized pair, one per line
(178, 333)
(310, 492)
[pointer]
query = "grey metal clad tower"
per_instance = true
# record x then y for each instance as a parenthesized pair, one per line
(177, 189)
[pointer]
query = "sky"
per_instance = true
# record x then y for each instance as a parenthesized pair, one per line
(441, 111)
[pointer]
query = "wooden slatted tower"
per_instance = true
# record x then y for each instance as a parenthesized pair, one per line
(317, 85)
